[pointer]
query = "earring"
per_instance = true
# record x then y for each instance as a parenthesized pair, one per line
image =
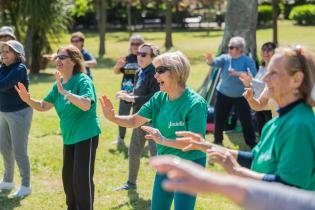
(296, 92)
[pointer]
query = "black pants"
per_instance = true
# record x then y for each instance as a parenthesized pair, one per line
(77, 174)
(124, 109)
(262, 117)
(221, 113)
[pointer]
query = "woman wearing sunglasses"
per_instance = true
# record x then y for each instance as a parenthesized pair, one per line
(145, 87)
(230, 90)
(127, 66)
(254, 87)
(174, 108)
(74, 98)
(15, 118)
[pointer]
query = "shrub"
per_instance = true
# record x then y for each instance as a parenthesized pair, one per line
(264, 14)
(303, 15)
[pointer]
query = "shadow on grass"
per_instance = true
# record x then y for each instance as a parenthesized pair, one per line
(105, 63)
(135, 201)
(9, 203)
(121, 148)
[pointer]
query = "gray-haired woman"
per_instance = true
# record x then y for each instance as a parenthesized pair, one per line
(230, 89)
(15, 118)
(127, 66)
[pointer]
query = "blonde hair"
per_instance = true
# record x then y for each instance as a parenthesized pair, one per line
(76, 56)
(179, 64)
(299, 59)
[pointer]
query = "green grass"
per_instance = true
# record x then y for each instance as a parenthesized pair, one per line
(45, 144)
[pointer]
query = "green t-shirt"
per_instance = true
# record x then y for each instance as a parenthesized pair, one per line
(76, 125)
(186, 113)
(287, 148)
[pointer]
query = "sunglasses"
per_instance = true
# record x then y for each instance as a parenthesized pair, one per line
(267, 49)
(232, 47)
(135, 44)
(76, 40)
(162, 69)
(61, 57)
(142, 54)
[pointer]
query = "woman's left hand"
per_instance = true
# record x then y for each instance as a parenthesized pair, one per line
(153, 134)
(125, 96)
(224, 158)
(61, 90)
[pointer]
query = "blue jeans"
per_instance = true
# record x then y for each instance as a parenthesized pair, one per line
(162, 200)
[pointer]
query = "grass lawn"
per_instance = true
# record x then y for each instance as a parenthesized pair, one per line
(45, 144)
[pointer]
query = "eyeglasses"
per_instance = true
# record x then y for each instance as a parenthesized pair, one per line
(162, 69)
(142, 54)
(61, 57)
(135, 44)
(267, 49)
(232, 47)
(76, 40)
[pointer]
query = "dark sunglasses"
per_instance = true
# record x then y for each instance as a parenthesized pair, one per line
(61, 57)
(142, 54)
(76, 40)
(232, 47)
(162, 69)
(267, 49)
(135, 44)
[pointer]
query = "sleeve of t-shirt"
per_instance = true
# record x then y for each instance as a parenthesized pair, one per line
(197, 118)
(86, 89)
(50, 97)
(295, 166)
(252, 67)
(146, 110)
(219, 61)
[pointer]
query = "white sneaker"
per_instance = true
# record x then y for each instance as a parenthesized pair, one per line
(22, 192)
(6, 185)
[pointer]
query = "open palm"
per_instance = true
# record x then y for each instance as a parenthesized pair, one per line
(23, 93)
(107, 107)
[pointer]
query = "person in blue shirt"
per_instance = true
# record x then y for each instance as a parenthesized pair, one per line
(230, 89)
(77, 40)
(15, 118)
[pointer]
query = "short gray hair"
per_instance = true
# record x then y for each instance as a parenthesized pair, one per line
(136, 38)
(238, 42)
(179, 64)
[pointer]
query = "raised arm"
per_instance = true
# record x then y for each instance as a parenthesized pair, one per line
(256, 104)
(130, 121)
(35, 104)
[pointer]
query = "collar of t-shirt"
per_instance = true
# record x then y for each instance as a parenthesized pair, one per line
(282, 111)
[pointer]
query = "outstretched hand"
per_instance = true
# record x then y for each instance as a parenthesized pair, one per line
(23, 93)
(153, 134)
(194, 141)
(61, 90)
(224, 158)
(107, 108)
(248, 94)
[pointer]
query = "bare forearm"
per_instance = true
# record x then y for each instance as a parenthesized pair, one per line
(257, 105)
(79, 101)
(247, 173)
(37, 105)
(128, 121)
(90, 64)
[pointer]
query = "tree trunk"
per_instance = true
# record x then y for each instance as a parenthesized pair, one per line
(102, 6)
(274, 21)
(168, 24)
(37, 43)
(28, 45)
(130, 29)
(241, 20)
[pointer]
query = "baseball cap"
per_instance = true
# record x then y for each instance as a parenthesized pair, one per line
(7, 31)
(15, 45)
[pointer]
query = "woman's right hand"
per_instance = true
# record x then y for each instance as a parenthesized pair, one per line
(107, 108)
(245, 79)
(248, 94)
(120, 62)
(194, 141)
(24, 95)
(209, 58)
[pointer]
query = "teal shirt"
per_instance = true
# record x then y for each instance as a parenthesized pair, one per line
(186, 113)
(76, 125)
(287, 148)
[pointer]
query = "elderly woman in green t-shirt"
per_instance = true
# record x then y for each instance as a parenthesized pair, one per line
(173, 109)
(74, 98)
(286, 151)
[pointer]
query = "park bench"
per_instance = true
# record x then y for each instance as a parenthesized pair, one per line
(152, 23)
(192, 22)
